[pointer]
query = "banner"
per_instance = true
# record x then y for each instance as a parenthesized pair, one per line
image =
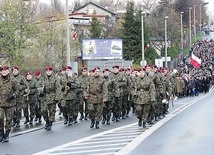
(195, 61)
(98, 49)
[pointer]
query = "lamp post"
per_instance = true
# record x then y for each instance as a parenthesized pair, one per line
(67, 35)
(194, 23)
(200, 16)
(142, 29)
(182, 36)
(166, 40)
(190, 28)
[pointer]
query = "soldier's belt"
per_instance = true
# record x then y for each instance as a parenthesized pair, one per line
(143, 90)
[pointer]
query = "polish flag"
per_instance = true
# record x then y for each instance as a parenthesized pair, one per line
(147, 46)
(195, 61)
(74, 36)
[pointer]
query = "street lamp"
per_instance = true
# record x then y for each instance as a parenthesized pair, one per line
(142, 29)
(200, 16)
(190, 27)
(182, 37)
(67, 35)
(166, 40)
(194, 23)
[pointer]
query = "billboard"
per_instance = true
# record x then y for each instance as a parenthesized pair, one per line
(98, 49)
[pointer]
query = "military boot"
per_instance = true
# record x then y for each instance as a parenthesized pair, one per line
(140, 122)
(123, 115)
(46, 124)
(1, 134)
(113, 118)
(108, 120)
(49, 127)
(14, 122)
(26, 120)
(92, 123)
(70, 121)
(127, 114)
(104, 119)
(35, 119)
(97, 124)
(81, 116)
(144, 125)
(31, 121)
(75, 119)
(86, 115)
(66, 120)
(6, 136)
(117, 118)
(40, 119)
(18, 124)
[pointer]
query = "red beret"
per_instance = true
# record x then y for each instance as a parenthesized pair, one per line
(159, 70)
(148, 65)
(5, 68)
(84, 69)
(154, 66)
(75, 73)
(28, 73)
(96, 68)
(143, 69)
(128, 69)
(37, 72)
(50, 68)
(63, 68)
(69, 67)
(122, 69)
(116, 66)
(91, 70)
(106, 70)
(15, 67)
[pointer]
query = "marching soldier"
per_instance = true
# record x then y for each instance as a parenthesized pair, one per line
(121, 81)
(96, 93)
(17, 115)
(40, 96)
(70, 109)
(52, 97)
(9, 89)
(144, 95)
(83, 106)
(113, 91)
(30, 98)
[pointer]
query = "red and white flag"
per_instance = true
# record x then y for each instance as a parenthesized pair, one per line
(195, 61)
(147, 46)
(74, 36)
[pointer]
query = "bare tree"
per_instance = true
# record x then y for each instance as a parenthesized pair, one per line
(148, 4)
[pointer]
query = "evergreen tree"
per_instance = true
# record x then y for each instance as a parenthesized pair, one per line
(95, 27)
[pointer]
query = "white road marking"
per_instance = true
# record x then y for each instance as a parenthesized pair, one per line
(132, 143)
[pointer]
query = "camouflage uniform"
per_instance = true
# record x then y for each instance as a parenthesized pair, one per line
(121, 81)
(40, 98)
(9, 88)
(144, 95)
(53, 94)
(17, 115)
(30, 101)
(83, 105)
(63, 79)
(156, 106)
(167, 94)
(70, 107)
(113, 91)
(96, 91)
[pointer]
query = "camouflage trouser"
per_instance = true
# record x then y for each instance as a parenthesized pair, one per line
(95, 111)
(17, 114)
(142, 111)
(83, 107)
(6, 112)
(68, 108)
(29, 105)
(48, 111)
(38, 111)
(124, 104)
(153, 109)
(117, 105)
(107, 107)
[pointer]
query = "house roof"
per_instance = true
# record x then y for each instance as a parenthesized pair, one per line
(96, 6)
